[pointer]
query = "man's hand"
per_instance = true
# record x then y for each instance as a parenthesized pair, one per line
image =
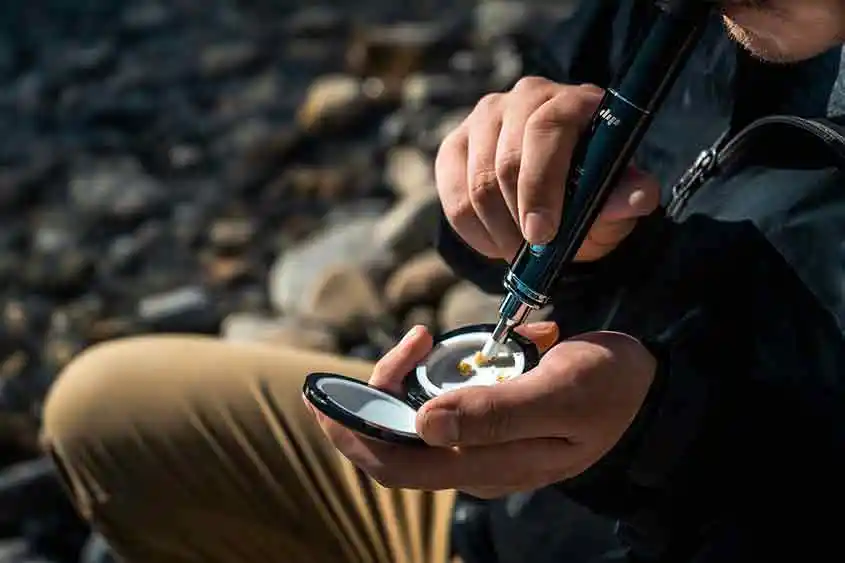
(551, 424)
(501, 173)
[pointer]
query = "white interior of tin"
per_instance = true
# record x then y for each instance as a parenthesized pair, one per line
(439, 373)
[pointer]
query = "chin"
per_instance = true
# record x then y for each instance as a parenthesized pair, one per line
(783, 46)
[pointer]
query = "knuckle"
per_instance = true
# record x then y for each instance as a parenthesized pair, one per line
(566, 109)
(530, 84)
(485, 184)
(488, 104)
(458, 209)
(507, 166)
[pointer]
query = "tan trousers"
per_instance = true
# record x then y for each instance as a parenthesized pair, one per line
(187, 449)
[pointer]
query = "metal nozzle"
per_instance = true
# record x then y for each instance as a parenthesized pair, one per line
(512, 313)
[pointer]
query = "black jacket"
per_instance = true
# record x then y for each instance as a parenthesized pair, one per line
(738, 453)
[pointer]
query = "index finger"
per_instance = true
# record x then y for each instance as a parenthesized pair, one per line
(551, 135)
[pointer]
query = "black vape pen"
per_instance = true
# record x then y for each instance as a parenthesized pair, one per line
(602, 156)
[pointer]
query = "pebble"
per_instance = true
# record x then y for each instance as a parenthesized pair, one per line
(465, 304)
(345, 299)
(409, 228)
(409, 172)
(294, 333)
(423, 279)
(116, 188)
(296, 273)
(187, 309)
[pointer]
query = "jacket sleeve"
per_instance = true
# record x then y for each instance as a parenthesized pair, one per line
(747, 411)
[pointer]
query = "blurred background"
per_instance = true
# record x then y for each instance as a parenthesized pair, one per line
(255, 169)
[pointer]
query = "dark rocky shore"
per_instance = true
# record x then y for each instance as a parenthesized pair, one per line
(233, 167)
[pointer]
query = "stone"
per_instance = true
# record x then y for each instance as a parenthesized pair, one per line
(317, 22)
(394, 51)
(409, 228)
(258, 160)
(422, 280)
(447, 124)
(254, 95)
(409, 172)
(116, 188)
(145, 17)
(420, 316)
(297, 272)
(294, 333)
(336, 101)
(495, 19)
(328, 184)
(225, 271)
(186, 309)
(422, 90)
(232, 234)
(345, 299)
(222, 59)
(465, 304)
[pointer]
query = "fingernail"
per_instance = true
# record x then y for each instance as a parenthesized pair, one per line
(409, 335)
(537, 227)
(638, 200)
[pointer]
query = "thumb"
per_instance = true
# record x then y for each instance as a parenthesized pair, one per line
(477, 416)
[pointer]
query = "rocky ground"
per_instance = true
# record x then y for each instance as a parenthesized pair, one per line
(252, 168)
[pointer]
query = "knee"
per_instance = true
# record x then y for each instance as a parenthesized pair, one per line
(80, 406)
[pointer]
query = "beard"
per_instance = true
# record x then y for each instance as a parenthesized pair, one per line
(778, 33)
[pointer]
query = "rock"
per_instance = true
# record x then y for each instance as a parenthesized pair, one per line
(257, 94)
(410, 172)
(420, 316)
(392, 52)
(232, 234)
(409, 228)
(258, 160)
(493, 19)
(20, 184)
(225, 271)
(116, 188)
(294, 333)
(422, 90)
(326, 184)
(220, 60)
(145, 17)
(345, 299)
(187, 309)
(334, 102)
(84, 61)
(422, 280)
(447, 124)
(296, 274)
(317, 22)
(61, 274)
(465, 304)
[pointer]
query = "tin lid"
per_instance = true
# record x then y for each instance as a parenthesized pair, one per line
(362, 408)
(380, 415)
